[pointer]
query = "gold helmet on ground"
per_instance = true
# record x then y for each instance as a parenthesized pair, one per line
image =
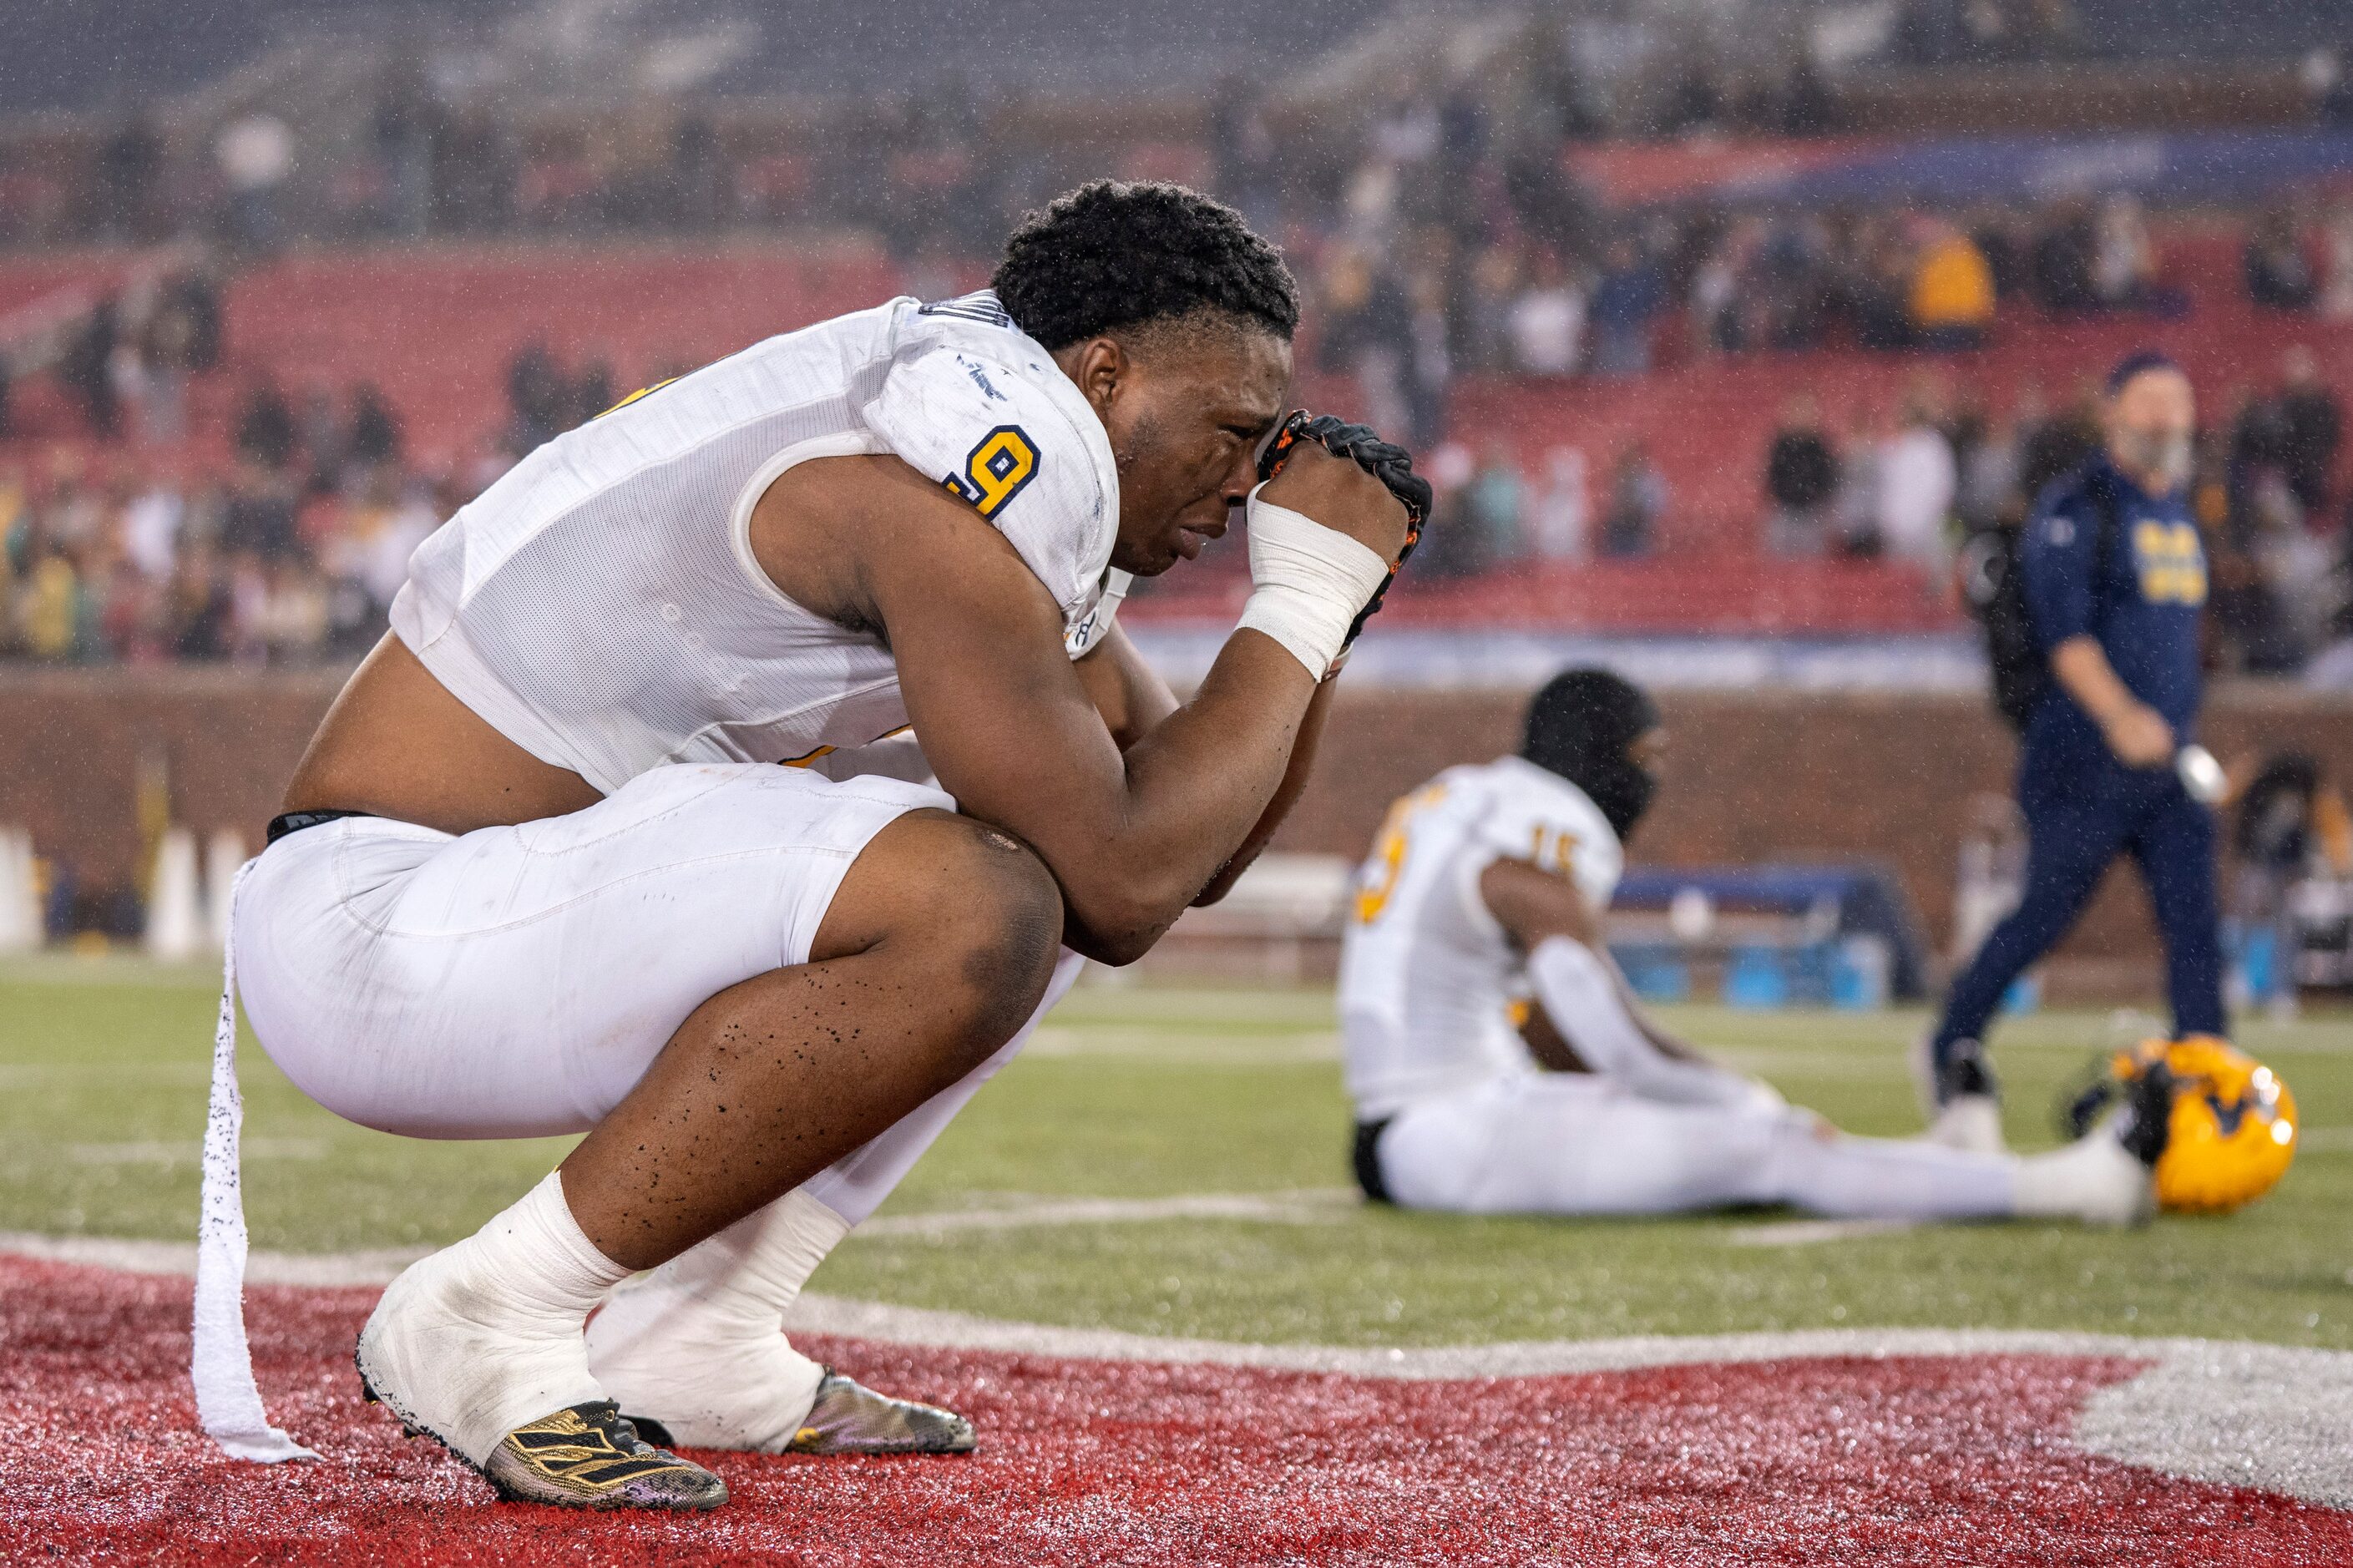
(2234, 1123)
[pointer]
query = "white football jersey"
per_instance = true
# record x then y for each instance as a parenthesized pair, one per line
(1427, 976)
(600, 605)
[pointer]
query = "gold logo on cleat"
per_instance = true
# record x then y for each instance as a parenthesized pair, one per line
(589, 1456)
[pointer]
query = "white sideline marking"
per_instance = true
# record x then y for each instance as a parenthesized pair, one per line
(2277, 1417)
(1318, 1206)
(154, 1151)
(374, 1266)
(1808, 1231)
(1162, 1045)
(2324, 1140)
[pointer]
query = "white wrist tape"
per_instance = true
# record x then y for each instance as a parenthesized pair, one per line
(1307, 583)
(1582, 998)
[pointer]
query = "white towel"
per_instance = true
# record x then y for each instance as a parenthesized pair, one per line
(228, 1403)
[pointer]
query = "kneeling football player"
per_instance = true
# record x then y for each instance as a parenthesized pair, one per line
(1487, 886)
(539, 872)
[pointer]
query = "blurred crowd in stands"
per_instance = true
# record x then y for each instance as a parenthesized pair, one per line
(1447, 233)
(288, 557)
(1915, 481)
(292, 556)
(1449, 261)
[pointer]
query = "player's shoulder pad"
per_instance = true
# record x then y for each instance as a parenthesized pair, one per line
(974, 411)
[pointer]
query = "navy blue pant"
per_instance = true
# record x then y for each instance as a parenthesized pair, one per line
(2078, 819)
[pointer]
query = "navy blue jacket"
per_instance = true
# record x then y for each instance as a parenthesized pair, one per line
(2143, 607)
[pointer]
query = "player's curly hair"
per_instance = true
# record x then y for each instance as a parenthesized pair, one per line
(1114, 254)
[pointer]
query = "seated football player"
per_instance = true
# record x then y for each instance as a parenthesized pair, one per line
(1487, 890)
(540, 872)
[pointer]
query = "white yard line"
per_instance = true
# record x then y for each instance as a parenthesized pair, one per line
(1811, 1232)
(155, 1152)
(374, 1267)
(1317, 1205)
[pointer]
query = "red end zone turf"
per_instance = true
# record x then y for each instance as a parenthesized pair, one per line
(1907, 1460)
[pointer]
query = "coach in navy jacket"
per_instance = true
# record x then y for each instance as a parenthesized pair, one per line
(2115, 582)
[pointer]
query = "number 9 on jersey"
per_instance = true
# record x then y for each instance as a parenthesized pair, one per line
(995, 470)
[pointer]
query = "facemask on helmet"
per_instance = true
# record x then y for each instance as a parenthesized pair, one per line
(1583, 725)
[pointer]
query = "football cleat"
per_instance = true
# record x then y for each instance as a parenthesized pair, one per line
(1969, 1122)
(850, 1418)
(590, 1457)
(586, 1455)
(501, 1379)
(1958, 1095)
(2228, 1123)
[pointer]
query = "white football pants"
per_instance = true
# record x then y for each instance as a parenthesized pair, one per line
(1572, 1143)
(517, 982)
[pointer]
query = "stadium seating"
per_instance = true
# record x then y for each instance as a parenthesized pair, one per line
(436, 328)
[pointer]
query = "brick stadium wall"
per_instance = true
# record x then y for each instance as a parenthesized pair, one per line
(1754, 776)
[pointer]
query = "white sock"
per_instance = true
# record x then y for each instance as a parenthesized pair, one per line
(484, 1337)
(699, 1343)
(2094, 1179)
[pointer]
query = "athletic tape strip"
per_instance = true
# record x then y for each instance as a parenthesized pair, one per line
(229, 1402)
(1309, 582)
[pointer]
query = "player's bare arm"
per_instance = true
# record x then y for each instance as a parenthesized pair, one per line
(1133, 837)
(1533, 905)
(1128, 693)
(1133, 698)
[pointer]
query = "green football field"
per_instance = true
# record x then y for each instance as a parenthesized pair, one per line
(1172, 1160)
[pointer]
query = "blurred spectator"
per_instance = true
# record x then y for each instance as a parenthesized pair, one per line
(1243, 170)
(1914, 495)
(1952, 296)
(1493, 504)
(130, 168)
(1638, 503)
(1986, 488)
(1561, 514)
(2062, 261)
(402, 129)
(322, 444)
(85, 368)
(1429, 370)
(1369, 335)
(1809, 105)
(151, 531)
(2312, 428)
(1548, 321)
(2054, 445)
(2336, 250)
(1624, 303)
(1485, 310)
(1801, 480)
(592, 392)
(2124, 262)
(2279, 277)
(258, 519)
(266, 431)
(193, 295)
(538, 401)
(52, 612)
(375, 439)
(256, 152)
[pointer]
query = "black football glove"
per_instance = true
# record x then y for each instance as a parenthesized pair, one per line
(1383, 460)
